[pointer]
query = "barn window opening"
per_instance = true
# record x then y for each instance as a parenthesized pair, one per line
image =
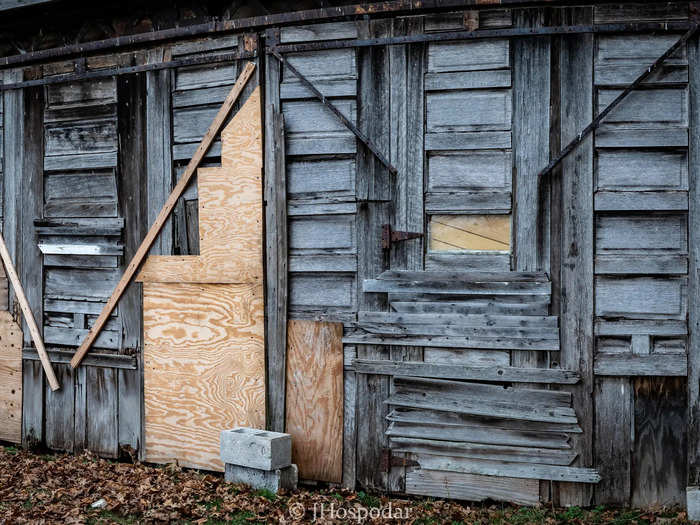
(490, 233)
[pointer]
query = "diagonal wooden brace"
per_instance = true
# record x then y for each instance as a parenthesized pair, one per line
(348, 124)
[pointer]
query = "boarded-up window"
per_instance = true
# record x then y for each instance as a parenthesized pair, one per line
(470, 233)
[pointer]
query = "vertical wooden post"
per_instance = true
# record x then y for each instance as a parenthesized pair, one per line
(694, 263)
(276, 277)
(577, 244)
(374, 185)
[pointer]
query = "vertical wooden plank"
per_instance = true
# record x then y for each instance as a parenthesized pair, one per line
(373, 185)
(406, 153)
(59, 411)
(349, 420)
(80, 410)
(131, 97)
(576, 315)
(10, 379)
(660, 441)
(315, 398)
(276, 239)
(694, 264)
(158, 151)
(614, 418)
(32, 404)
(102, 425)
(531, 102)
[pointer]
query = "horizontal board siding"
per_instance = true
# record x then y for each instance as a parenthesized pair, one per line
(322, 178)
(470, 170)
(330, 64)
(468, 110)
(322, 292)
(328, 233)
(642, 170)
(640, 296)
(642, 108)
(468, 55)
(641, 233)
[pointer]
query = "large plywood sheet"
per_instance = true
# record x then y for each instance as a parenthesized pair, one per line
(204, 368)
(315, 398)
(204, 355)
(10, 379)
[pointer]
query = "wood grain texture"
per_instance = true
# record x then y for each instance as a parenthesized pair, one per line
(204, 368)
(230, 212)
(315, 398)
(10, 379)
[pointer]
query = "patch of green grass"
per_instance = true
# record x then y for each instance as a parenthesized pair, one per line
(214, 504)
(241, 518)
(571, 514)
(112, 517)
(48, 457)
(526, 515)
(368, 500)
(426, 521)
(11, 450)
(629, 516)
(267, 494)
(28, 503)
(338, 497)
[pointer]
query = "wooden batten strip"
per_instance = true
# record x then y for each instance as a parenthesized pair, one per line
(165, 212)
(457, 371)
(485, 343)
(666, 364)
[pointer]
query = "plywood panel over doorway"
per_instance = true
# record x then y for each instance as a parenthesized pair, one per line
(204, 355)
(315, 398)
(10, 379)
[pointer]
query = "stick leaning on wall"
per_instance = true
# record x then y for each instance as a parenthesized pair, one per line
(28, 315)
(164, 213)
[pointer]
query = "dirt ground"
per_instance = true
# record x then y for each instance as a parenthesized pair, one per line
(62, 488)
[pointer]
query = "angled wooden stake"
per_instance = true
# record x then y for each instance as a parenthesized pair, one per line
(164, 213)
(28, 315)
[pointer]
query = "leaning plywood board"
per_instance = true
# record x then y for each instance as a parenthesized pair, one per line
(10, 379)
(315, 398)
(204, 355)
(204, 368)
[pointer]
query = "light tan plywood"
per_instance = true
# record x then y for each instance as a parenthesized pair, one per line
(204, 368)
(204, 355)
(10, 379)
(470, 232)
(315, 398)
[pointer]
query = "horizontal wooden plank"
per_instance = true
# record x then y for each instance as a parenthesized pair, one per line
(81, 161)
(309, 208)
(486, 433)
(110, 339)
(81, 249)
(84, 307)
(126, 362)
(399, 329)
(640, 11)
(482, 261)
(206, 45)
(472, 288)
(630, 169)
(489, 170)
(471, 487)
(473, 202)
(487, 343)
(642, 233)
(642, 108)
(325, 292)
(323, 233)
(502, 468)
(499, 78)
(428, 418)
(477, 373)
(641, 297)
(62, 283)
(476, 321)
(82, 261)
(468, 55)
(641, 200)
(464, 277)
(627, 364)
(322, 263)
(472, 307)
(342, 87)
(466, 140)
(313, 117)
(324, 31)
(336, 143)
(641, 264)
(517, 454)
(468, 110)
(323, 64)
(322, 178)
(668, 137)
(654, 327)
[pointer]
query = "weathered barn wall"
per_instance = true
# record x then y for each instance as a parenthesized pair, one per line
(589, 279)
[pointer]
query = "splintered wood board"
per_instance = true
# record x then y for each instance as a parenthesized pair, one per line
(204, 368)
(10, 379)
(315, 398)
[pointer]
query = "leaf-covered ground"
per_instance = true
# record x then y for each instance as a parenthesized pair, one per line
(61, 489)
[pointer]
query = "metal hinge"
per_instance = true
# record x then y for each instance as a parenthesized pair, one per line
(390, 236)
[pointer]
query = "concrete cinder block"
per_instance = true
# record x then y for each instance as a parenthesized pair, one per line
(693, 502)
(272, 480)
(261, 449)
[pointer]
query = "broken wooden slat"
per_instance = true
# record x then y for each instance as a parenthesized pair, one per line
(486, 320)
(464, 277)
(469, 307)
(456, 371)
(457, 288)
(505, 332)
(516, 454)
(508, 469)
(165, 212)
(486, 433)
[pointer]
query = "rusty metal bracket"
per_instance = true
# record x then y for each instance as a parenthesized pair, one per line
(348, 124)
(390, 236)
(571, 146)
